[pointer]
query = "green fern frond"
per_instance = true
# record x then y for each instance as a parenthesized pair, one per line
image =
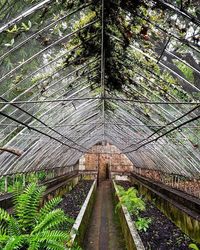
(17, 191)
(27, 206)
(3, 230)
(51, 221)
(4, 221)
(4, 215)
(33, 228)
(33, 245)
(13, 227)
(14, 242)
(48, 207)
(51, 235)
(55, 246)
(4, 238)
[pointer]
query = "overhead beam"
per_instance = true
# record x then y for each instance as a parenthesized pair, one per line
(39, 131)
(99, 98)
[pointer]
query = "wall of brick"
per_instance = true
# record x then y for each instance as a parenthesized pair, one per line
(102, 156)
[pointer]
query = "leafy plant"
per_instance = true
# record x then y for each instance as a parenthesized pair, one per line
(142, 224)
(10, 44)
(33, 227)
(193, 246)
(129, 198)
(41, 176)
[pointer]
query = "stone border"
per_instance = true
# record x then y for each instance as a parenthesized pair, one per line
(81, 222)
(132, 238)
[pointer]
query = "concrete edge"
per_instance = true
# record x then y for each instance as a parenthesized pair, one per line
(132, 238)
(75, 233)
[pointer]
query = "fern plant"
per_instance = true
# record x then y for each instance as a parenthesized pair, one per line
(32, 227)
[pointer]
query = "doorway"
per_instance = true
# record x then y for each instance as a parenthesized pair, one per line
(104, 172)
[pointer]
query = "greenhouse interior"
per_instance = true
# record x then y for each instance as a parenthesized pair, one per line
(99, 124)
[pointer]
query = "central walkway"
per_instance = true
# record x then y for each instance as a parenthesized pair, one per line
(104, 231)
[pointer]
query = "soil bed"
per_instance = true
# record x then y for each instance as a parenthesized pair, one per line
(162, 234)
(73, 201)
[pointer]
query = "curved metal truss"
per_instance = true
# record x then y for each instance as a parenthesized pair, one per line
(73, 75)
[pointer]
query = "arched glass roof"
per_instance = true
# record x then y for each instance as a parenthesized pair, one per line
(75, 73)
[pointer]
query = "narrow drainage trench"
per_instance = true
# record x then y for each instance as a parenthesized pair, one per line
(103, 231)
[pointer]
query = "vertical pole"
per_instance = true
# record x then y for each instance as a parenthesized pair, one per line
(6, 184)
(98, 170)
(178, 182)
(103, 68)
(13, 180)
(110, 163)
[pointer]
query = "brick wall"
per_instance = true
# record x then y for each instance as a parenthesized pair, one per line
(103, 156)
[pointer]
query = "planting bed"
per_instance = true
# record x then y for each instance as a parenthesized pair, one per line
(162, 234)
(73, 200)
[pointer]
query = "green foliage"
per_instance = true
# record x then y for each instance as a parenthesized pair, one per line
(187, 71)
(142, 224)
(129, 198)
(41, 176)
(32, 227)
(193, 246)
(16, 181)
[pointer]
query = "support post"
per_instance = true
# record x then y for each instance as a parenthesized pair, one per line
(6, 184)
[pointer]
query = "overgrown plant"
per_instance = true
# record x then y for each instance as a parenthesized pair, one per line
(32, 226)
(134, 204)
(130, 199)
(142, 224)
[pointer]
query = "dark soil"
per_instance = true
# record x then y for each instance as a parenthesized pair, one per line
(73, 201)
(162, 234)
